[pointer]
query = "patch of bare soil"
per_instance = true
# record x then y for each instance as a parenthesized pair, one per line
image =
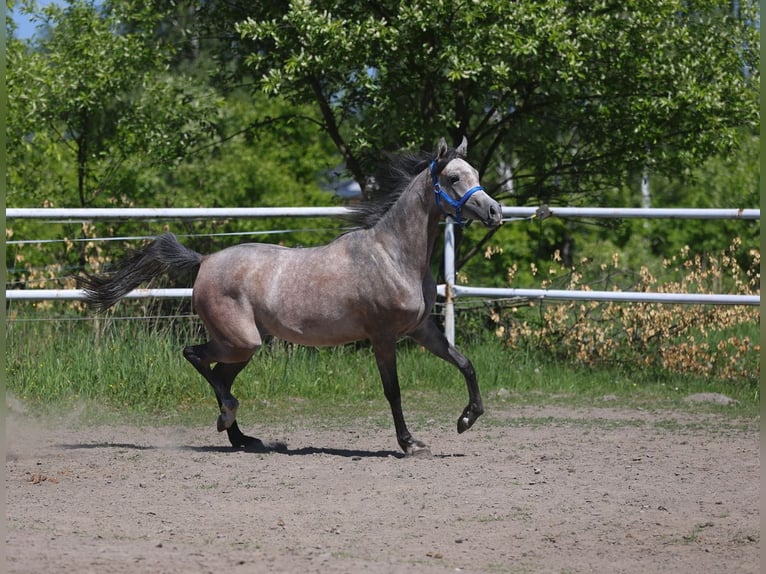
(526, 490)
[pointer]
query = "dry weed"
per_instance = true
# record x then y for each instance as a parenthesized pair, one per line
(692, 339)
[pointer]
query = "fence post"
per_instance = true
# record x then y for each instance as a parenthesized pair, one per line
(449, 280)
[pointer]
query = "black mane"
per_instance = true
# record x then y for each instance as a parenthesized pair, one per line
(391, 179)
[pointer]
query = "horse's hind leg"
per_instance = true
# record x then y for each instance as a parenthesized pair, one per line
(429, 335)
(221, 378)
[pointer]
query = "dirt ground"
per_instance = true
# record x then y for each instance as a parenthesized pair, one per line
(527, 490)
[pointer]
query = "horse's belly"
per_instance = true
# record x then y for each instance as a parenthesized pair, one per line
(318, 333)
(319, 326)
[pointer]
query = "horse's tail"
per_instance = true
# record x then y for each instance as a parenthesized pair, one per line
(164, 254)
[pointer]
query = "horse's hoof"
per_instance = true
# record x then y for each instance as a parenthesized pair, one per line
(227, 417)
(469, 416)
(238, 439)
(464, 423)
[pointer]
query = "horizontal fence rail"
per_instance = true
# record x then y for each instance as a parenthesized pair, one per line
(631, 212)
(79, 294)
(88, 214)
(457, 291)
(449, 290)
(613, 296)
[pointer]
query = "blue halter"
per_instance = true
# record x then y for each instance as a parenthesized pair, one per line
(457, 205)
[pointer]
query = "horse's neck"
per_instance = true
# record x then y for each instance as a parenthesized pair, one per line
(410, 226)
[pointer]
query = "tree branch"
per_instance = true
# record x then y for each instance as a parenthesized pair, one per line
(333, 129)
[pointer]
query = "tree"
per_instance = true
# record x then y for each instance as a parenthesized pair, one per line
(91, 95)
(563, 101)
(111, 107)
(565, 97)
(87, 99)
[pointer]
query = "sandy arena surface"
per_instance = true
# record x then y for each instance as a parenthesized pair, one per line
(527, 490)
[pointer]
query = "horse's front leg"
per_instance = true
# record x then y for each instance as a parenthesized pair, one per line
(385, 356)
(428, 335)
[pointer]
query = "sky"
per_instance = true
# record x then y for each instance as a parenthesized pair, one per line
(26, 29)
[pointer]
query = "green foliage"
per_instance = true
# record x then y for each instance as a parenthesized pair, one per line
(731, 181)
(273, 156)
(80, 362)
(105, 111)
(570, 96)
(728, 181)
(91, 95)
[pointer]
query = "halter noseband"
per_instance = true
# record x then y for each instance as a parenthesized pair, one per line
(457, 205)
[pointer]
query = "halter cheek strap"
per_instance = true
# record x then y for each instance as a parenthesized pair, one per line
(457, 205)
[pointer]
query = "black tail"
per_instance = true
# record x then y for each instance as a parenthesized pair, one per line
(164, 254)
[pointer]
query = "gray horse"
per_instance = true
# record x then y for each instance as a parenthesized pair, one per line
(372, 283)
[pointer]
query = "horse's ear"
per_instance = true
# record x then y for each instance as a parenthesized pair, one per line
(462, 149)
(441, 148)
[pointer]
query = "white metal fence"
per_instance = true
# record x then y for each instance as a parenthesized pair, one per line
(449, 290)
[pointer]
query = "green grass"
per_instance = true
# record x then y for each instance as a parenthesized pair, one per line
(137, 370)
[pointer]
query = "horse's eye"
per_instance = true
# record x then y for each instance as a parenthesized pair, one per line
(453, 179)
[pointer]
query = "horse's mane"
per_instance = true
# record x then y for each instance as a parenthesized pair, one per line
(392, 177)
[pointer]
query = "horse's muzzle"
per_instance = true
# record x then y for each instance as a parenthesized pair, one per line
(493, 216)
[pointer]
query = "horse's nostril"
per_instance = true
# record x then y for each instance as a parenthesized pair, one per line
(492, 211)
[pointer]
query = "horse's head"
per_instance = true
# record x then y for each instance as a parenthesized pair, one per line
(458, 191)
